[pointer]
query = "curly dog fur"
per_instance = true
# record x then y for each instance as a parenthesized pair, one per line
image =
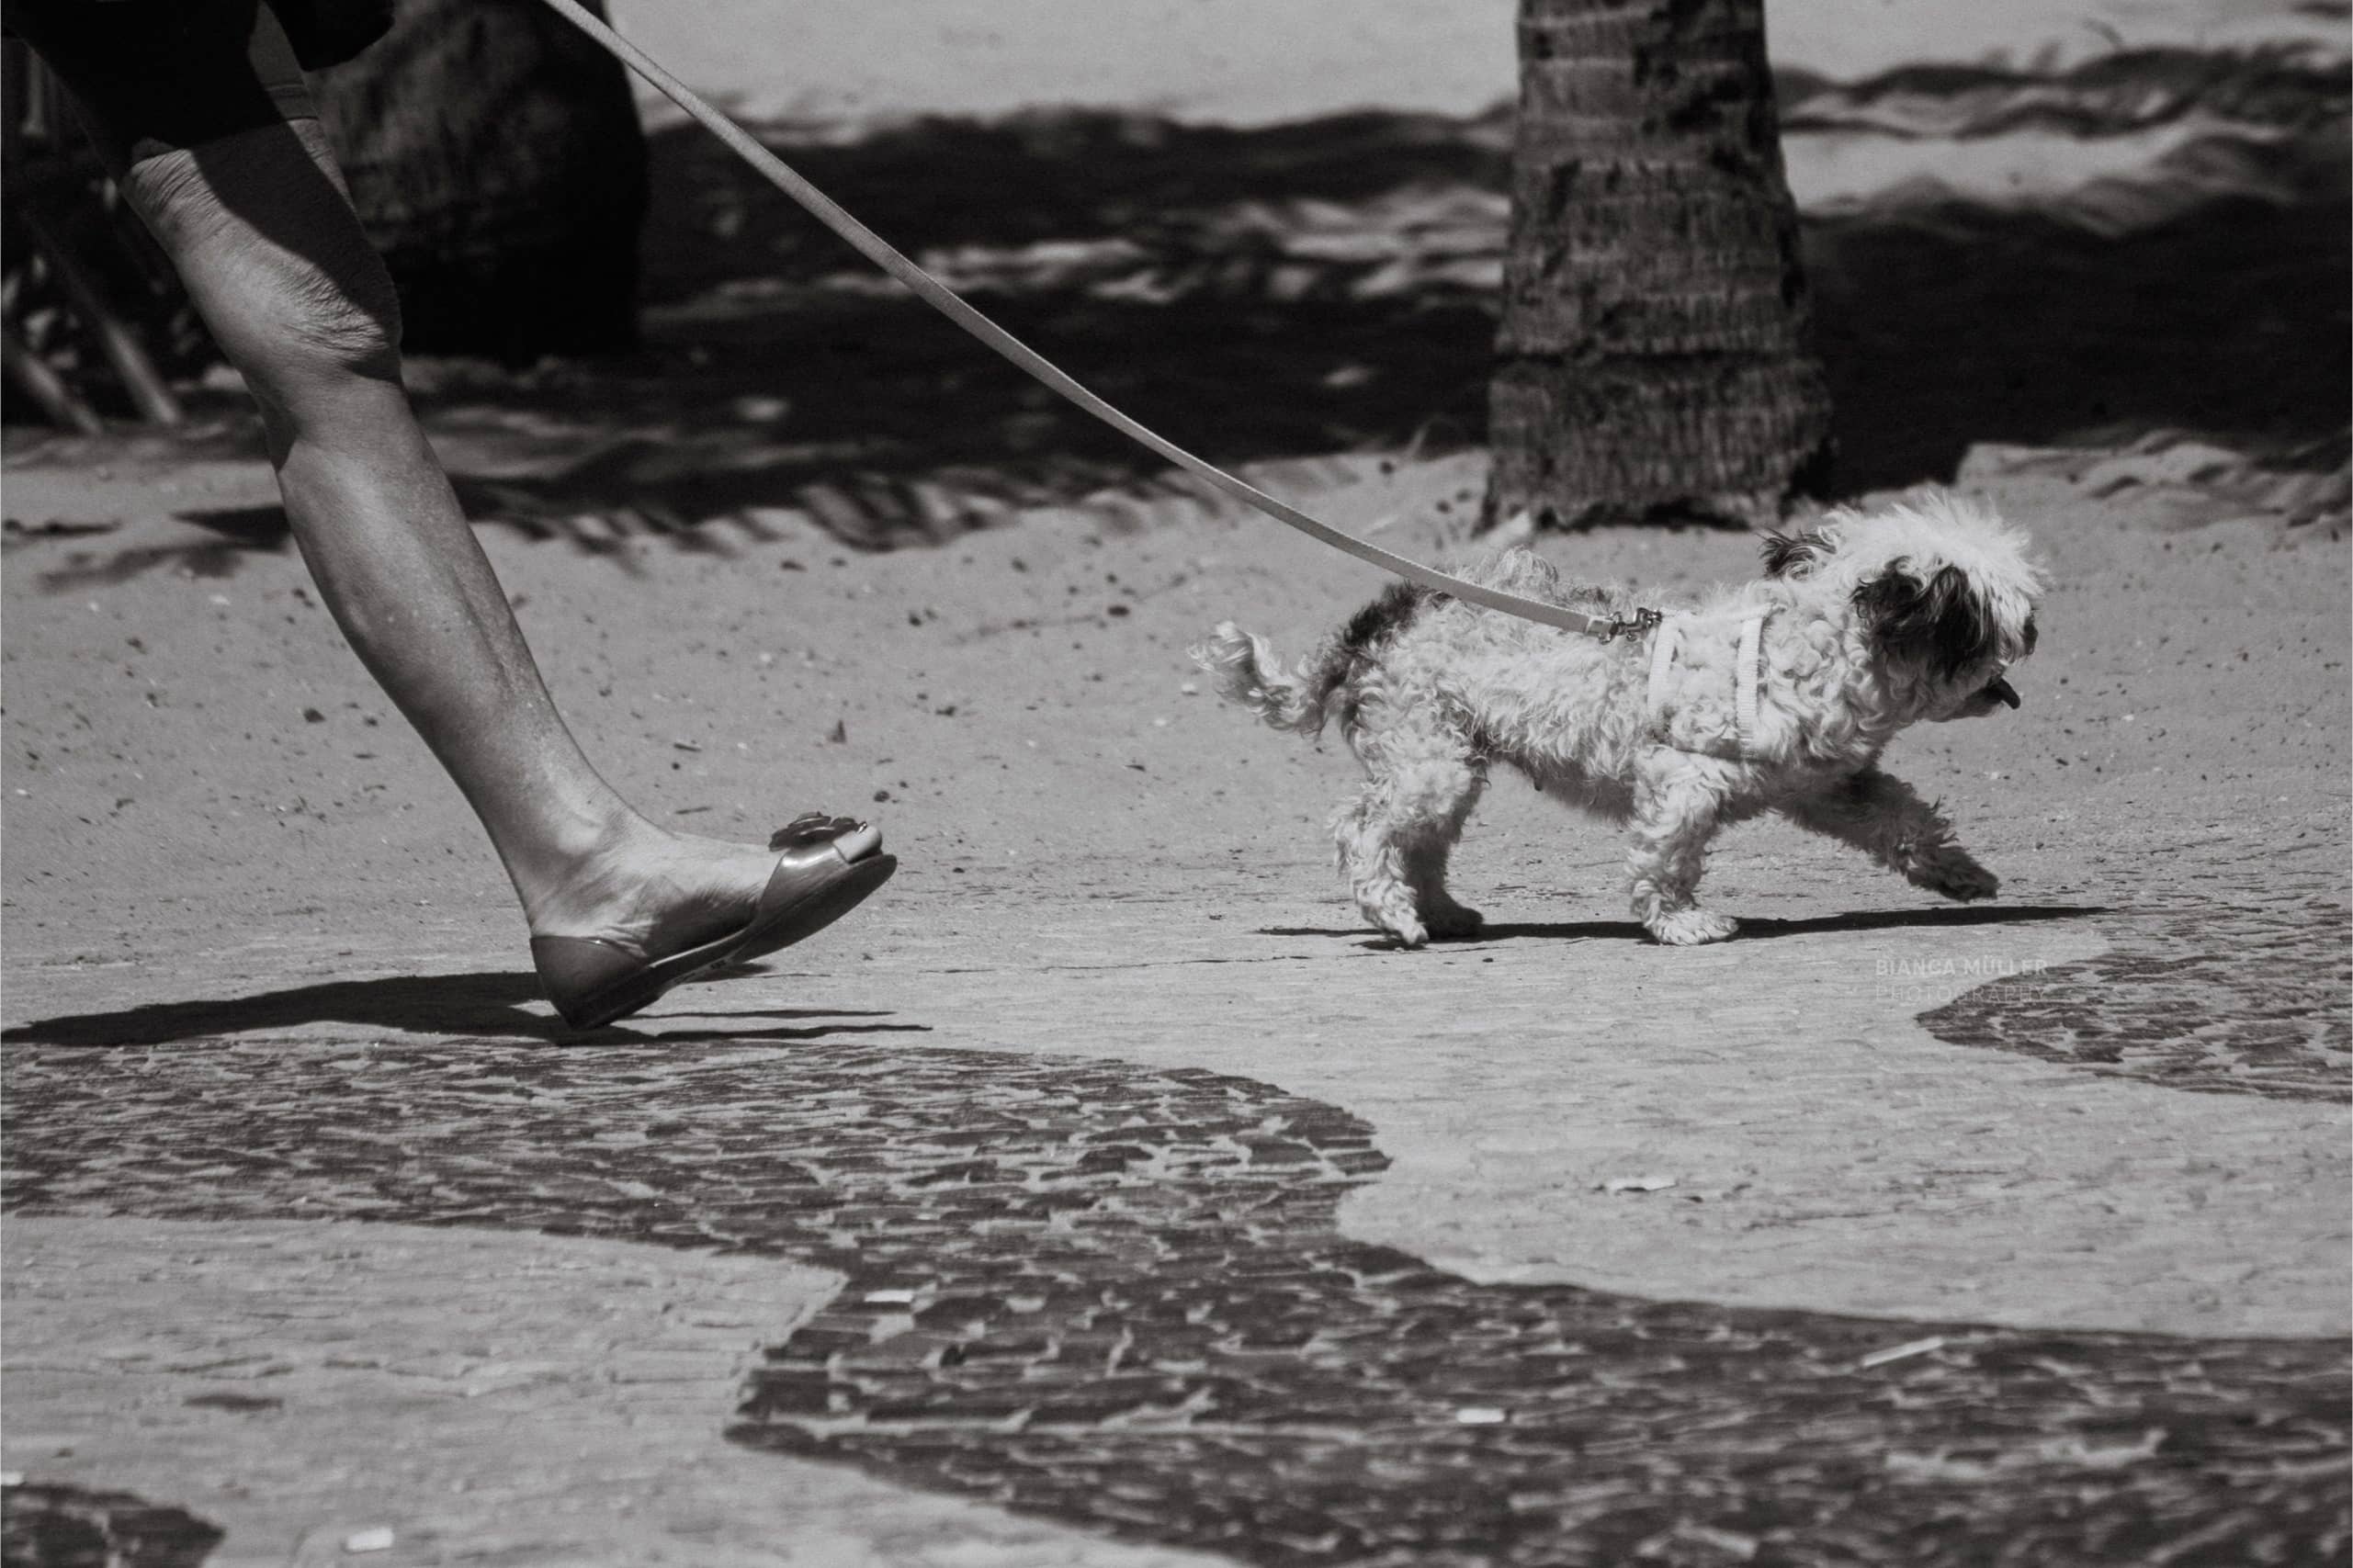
(1873, 622)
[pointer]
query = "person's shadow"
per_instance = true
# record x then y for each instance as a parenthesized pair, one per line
(473, 1005)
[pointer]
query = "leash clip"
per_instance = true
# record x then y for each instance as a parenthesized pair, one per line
(1633, 625)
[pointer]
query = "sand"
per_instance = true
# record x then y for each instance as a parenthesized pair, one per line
(1242, 62)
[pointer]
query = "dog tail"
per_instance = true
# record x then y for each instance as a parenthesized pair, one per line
(1247, 670)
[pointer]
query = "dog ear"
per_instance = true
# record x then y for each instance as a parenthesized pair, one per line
(1785, 553)
(1939, 625)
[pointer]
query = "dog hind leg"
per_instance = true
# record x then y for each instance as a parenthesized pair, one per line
(1374, 863)
(1396, 838)
(1440, 795)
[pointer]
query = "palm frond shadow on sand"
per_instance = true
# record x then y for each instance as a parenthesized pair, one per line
(1330, 287)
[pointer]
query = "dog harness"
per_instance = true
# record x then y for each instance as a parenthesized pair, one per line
(1747, 682)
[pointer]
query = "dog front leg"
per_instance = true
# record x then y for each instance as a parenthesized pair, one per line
(1880, 815)
(1675, 815)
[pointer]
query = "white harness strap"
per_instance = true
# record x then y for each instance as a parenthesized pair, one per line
(1663, 643)
(1747, 678)
(1747, 682)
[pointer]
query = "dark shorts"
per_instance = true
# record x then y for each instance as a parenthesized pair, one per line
(151, 76)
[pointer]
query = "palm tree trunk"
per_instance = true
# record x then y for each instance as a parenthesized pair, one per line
(496, 158)
(1654, 360)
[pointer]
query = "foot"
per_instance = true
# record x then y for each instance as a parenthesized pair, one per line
(1956, 876)
(1390, 906)
(1691, 928)
(824, 867)
(1450, 922)
(655, 893)
(1408, 934)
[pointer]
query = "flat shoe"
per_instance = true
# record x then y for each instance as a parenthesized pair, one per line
(825, 868)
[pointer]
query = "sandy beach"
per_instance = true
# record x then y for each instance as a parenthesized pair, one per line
(1245, 63)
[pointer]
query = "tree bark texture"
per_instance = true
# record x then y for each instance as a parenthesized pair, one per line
(1654, 359)
(496, 158)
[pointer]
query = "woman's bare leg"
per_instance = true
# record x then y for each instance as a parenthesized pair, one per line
(274, 258)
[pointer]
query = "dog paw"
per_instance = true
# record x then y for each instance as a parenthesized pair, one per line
(1453, 923)
(1960, 878)
(1693, 928)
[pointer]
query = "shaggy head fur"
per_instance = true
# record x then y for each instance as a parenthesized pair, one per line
(1945, 589)
(1870, 623)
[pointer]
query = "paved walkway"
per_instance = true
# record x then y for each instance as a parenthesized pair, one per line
(1097, 1265)
(1114, 1199)
(486, 1396)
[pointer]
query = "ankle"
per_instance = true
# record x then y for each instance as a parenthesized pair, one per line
(653, 890)
(585, 871)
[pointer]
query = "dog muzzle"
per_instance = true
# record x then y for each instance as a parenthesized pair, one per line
(2001, 691)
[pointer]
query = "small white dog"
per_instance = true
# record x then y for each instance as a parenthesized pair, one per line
(1778, 694)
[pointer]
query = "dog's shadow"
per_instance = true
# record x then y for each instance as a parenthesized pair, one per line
(1750, 929)
(476, 1005)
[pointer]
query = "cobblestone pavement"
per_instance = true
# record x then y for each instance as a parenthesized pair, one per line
(478, 1395)
(44, 1523)
(2240, 994)
(1117, 1295)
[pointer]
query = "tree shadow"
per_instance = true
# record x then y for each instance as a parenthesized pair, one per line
(1947, 327)
(239, 532)
(1331, 285)
(876, 421)
(1766, 928)
(483, 1004)
(1267, 293)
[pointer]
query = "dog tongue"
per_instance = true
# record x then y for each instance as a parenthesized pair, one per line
(2002, 689)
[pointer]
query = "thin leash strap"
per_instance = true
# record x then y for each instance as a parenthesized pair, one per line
(948, 303)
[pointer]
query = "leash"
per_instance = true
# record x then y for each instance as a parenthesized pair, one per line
(950, 304)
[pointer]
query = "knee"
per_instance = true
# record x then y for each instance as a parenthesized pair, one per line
(293, 323)
(292, 291)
